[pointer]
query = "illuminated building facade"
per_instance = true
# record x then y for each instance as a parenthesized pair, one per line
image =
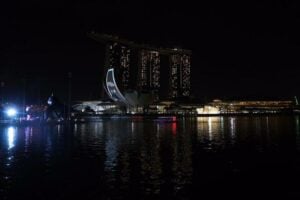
(139, 68)
(180, 68)
(149, 71)
(185, 81)
(118, 57)
(112, 87)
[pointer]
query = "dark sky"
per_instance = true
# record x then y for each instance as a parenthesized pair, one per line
(241, 49)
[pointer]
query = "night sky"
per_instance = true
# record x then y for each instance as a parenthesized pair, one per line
(241, 50)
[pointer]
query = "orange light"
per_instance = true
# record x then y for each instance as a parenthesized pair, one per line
(174, 128)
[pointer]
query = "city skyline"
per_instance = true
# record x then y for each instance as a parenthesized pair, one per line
(163, 73)
(240, 50)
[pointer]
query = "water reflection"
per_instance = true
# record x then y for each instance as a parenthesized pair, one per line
(210, 131)
(232, 127)
(174, 128)
(28, 138)
(297, 130)
(111, 152)
(11, 134)
(150, 161)
(144, 160)
(182, 162)
(7, 159)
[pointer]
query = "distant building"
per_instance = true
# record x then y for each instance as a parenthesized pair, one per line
(252, 106)
(96, 107)
(138, 74)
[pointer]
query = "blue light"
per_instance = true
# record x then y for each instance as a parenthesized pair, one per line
(11, 112)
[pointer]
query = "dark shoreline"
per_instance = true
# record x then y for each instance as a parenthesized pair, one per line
(140, 117)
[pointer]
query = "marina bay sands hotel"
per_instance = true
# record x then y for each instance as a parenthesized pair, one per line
(138, 74)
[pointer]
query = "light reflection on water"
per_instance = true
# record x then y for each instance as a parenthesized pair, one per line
(11, 134)
(297, 130)
(118, 159)
(210, 131)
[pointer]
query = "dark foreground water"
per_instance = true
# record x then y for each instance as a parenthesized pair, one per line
(205, 157)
